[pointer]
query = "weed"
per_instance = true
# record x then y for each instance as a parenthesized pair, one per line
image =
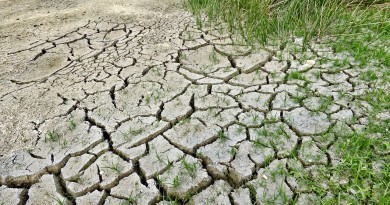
(354, 25)
(213, 57)
(255, 118)
(131, 200)
(169, 164)
(240, 129)
(72, 124)
(190, 167)
(171, 201)
(114, 166)
(176, 181)
(158, 156)
(369, 76)
(136, 132)
(258, 143)
(296, 75)
(222, 136)
(52, 136)
(182, 56)
(325, 102)
(147, 99)
(233, 151)
(159, 180)
(64, 144)
(80, 180)
(252, 191)
(185, 121)
(59, 201)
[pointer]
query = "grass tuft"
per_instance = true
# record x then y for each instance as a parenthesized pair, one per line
(349, 24)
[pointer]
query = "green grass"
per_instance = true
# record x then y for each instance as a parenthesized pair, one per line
(72, 124)
(222, 136)
(355, 26)
(368, 184)
(52, 136)
(189, 167)
(368, 42)
(358, 29)
(131, 199)
(176, 182)
(363, 163)
(114, 166)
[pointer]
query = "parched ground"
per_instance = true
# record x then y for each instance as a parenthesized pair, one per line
(121, 102)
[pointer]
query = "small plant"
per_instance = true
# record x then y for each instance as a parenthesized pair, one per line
(157, 95)
(190, 167)
(158, 156)
(136, 132)
(131, 199)
(213, 57)
(263, 132)
(169, 164)
(59, 201)
(255, 118)
(222, 136)
(325, 103)
(159, 180)
(170, 201)
(296, 75)
(258, 143)
(79, 179)
(369, 76)
(176, 181)
(282, 193)
(52, 136)
(252, 191)
(240, 129)
(72, 124)
(115, 167)
(185, 121)
(233, 151)
(147, 99)
(182, 56)
(64, 144)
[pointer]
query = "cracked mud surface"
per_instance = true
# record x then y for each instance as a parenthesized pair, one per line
(149, 108)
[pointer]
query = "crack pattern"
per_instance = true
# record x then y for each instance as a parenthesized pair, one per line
(153, 112)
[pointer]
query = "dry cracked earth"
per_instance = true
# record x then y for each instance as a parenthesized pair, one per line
(152, 108)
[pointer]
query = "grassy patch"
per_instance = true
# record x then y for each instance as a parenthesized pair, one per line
(360, 172)
(367, 172)
(355, 26)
